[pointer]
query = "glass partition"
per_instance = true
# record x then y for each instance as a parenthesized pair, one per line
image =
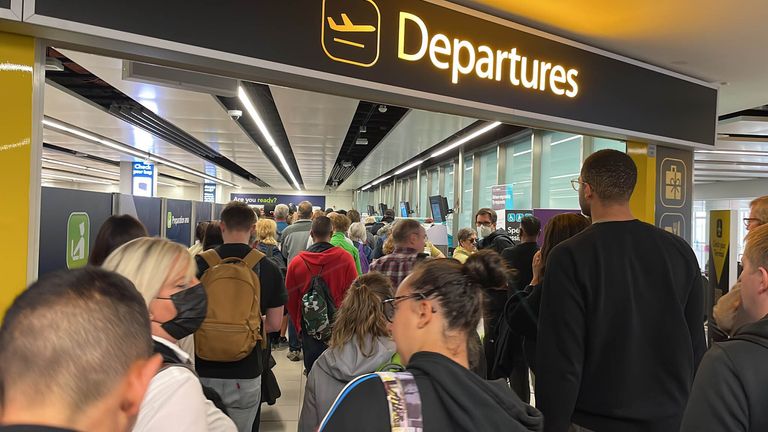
(519, 172)
(489, 170)
(560, 163)
(465, 218)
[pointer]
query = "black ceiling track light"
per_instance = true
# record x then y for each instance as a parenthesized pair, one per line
(261, 97)
(81, 83)
(371, 123)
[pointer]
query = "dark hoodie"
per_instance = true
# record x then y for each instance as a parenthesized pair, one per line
(498, 241)
(452, 399)
(729, 391)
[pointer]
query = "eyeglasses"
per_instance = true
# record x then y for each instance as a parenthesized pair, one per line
(576, 184)
(748, 221)
(390, 304)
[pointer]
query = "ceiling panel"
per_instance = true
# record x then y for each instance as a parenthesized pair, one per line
(199, 114)
(417, 132)
(69, 109)
(316, 125)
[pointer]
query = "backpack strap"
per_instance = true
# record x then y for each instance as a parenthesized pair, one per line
(309, 269)
(211, 258)
(253, 258)
(404, 401)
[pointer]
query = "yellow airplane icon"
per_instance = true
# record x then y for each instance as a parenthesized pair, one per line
(348, 27)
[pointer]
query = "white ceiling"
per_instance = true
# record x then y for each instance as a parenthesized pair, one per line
(198, 114)
(416, 132)
(316, 125)
(714, 40)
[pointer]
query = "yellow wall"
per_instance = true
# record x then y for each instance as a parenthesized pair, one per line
(17, 58)
(643, 202)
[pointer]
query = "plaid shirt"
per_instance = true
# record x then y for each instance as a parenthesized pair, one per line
(397, 265)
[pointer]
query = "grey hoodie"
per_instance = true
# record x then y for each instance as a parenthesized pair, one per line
(335, 369)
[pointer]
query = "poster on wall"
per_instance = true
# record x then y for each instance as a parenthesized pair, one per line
(178, 226)
(502, 197)
(545, 215)
(147, 210)
(262, 199)
(512, 219)
(69, 222)
(674, 194)
(723, 235)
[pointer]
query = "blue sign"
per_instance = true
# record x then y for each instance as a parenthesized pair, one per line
(143, 179)
(209, 192)
(513, 219)
(262, 199)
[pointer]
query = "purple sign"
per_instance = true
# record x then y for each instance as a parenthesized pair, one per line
(545, 215)
(262, 199)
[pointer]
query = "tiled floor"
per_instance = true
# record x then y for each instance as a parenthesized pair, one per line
(284, 415)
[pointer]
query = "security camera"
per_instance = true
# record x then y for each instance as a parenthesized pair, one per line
(235, 114)
(382, 109)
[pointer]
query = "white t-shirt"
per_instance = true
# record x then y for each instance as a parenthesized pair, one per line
(175, 402)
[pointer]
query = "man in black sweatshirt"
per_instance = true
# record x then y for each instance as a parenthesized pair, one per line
(621, 325)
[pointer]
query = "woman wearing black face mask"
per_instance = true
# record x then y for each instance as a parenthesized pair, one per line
(164, 274)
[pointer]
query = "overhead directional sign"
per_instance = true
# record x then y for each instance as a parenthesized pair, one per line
(432, 50)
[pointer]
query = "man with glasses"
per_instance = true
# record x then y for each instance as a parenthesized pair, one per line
(620, 325)
(409, 238)
(490, 237)
(729, 313)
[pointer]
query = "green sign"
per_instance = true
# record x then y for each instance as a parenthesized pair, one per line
(78, 240)
(169, 225)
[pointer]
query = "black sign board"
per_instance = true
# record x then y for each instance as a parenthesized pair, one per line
(69, 222)
(178, 226)
(425, 47)
(674, 191)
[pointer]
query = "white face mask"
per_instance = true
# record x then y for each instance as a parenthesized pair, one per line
(484, 231)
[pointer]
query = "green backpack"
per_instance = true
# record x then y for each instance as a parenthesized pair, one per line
(317, 307)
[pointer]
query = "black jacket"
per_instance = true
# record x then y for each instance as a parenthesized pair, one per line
(498, 241)
(729, 393)
(453, 399)
(520, 258)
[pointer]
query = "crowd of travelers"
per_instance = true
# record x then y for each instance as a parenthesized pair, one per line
(602, 315)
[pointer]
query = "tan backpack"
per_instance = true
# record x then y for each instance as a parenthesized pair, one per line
(232, 326)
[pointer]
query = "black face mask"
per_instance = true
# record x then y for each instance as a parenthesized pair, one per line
(191, 306)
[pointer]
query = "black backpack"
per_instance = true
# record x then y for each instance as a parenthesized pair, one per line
(504, 339)
(317, 307)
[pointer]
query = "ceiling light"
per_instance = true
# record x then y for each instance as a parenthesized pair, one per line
(366, 187)
(246, 101)
(466, 139)
(363, 129)
(565, 140)
(124, 148)
(733, 152)
(380, 180)
(409, 167)
(81, 167)
(361, 141)
(48, 176)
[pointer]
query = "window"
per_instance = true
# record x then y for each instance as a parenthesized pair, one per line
(465, 218)
(434, 182)
(423, 196)
(519, 172)
(700, 233)
(448, 171)
(560, 163)
(605, 143)
(489, 168)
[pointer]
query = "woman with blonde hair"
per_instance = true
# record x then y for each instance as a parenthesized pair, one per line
(360, 344)
(164, 274)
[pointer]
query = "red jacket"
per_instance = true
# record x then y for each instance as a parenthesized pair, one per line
(338, 271)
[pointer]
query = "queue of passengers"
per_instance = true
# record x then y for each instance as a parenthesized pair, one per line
(607, 316)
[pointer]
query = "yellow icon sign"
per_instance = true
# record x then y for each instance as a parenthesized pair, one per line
(674, 184)
(352, 34)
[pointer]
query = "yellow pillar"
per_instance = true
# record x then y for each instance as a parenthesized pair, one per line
(643, 202)
(17, 60)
